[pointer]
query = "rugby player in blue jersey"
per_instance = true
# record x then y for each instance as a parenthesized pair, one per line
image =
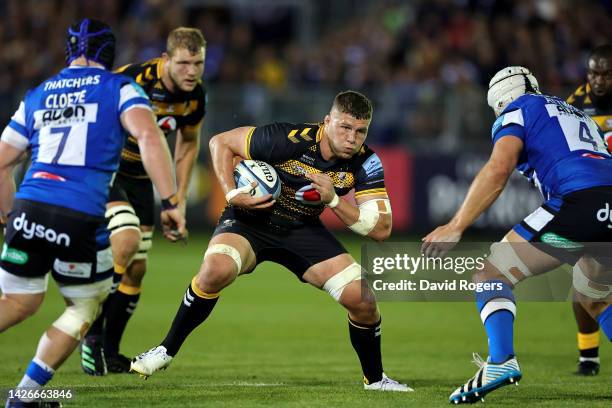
(74, 123)
(561, 150)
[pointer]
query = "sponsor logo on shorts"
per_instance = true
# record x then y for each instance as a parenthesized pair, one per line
(605, 215)
(73, 269)
(557, 241)
(13, 255)
(31, 229)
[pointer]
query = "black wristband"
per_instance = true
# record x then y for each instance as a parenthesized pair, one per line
(169, 203)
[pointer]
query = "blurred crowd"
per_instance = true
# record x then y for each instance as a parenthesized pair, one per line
(424, 62)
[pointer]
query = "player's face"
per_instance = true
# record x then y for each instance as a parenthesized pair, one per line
(185, 68)
(599, 75)
(345, 133)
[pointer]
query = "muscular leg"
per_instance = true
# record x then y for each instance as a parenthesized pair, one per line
(218, 271)
(509, 263)
(360, 302)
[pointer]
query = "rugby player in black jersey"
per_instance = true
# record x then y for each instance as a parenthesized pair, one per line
(174, 86)
(316, 163)
(594, 98)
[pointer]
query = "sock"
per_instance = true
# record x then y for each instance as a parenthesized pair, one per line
(588, 344)
(37, 375)
(605, 321)
(97, 327)
(365, 339)
(119, 310)
(193, 311)
(497, 310)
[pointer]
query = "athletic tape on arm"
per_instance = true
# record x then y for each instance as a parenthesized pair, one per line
(369, 215)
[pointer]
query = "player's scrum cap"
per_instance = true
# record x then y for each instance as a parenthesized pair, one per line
(508, 84)
(92, 39)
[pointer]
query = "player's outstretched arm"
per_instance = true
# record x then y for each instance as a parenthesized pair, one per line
(140, 123)
(9, 156)
(223, 148)
(486, 187)
(371, 217)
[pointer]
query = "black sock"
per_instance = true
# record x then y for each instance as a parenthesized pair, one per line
(365, 339)
(194, 309)
(97, 327)
(590, 353)
(120, 307)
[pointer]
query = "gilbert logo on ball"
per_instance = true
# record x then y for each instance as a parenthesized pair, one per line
(248, 171)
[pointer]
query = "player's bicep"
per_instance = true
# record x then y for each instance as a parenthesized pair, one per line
(10, 155)
(506, 153)
(236, 140)
(138, 121)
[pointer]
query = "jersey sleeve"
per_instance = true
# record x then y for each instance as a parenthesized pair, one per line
(370, 177)
(131, 95)
(16, 132)
(277, 142)
(509, 123)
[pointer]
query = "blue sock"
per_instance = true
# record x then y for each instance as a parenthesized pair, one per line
(605, 321)
(37, 375)
(497, 308)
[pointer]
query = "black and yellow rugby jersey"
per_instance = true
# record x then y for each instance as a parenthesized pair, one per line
(600, 111)
(294, 150)
(178, 110)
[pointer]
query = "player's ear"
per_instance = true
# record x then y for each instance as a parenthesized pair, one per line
(165, 57)
(327, 119)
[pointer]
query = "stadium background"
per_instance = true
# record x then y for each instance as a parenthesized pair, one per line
(425, 65)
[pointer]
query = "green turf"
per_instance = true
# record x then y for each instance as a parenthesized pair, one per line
(272, 341)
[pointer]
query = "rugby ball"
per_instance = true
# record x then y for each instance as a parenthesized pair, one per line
(264, 174)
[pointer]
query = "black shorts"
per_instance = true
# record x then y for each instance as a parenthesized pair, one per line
(296, 248)
(139, 193)
(579, 223)
(42, 237)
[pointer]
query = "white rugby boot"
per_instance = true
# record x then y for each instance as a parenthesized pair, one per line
(151, 361)
(489, 377)
(386, 384)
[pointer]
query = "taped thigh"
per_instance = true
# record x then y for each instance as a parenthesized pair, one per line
(336, 284)
(120, 218)
(225, 250)
(146, 242)
(85, 304)
(506, 260)
(588, 287)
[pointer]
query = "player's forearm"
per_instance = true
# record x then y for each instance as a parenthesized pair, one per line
(223, 163)
(349, 215)
(185, 159)
(486, 187)
(157, 161)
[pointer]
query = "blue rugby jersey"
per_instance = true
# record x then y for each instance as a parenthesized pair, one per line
(71, 122)
(563, 148)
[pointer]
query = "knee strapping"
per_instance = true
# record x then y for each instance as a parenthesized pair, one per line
(120, 218)
(336, 284)
(146, 242)
(225, 250)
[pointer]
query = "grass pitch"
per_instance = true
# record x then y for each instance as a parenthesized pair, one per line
(272, 341)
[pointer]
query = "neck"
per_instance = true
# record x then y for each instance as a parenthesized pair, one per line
(84, 62)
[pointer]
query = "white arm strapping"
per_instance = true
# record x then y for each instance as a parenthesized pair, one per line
(233, 193)
(368, 216)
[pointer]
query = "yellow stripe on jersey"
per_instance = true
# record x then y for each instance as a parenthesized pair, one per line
(304, 134)
(130, 156)
(292, 137)
(319, 133)
(248, 143)
(371, 191)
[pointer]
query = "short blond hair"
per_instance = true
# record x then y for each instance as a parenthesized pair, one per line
(185, 37)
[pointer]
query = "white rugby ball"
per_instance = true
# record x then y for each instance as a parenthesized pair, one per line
(264, 174)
